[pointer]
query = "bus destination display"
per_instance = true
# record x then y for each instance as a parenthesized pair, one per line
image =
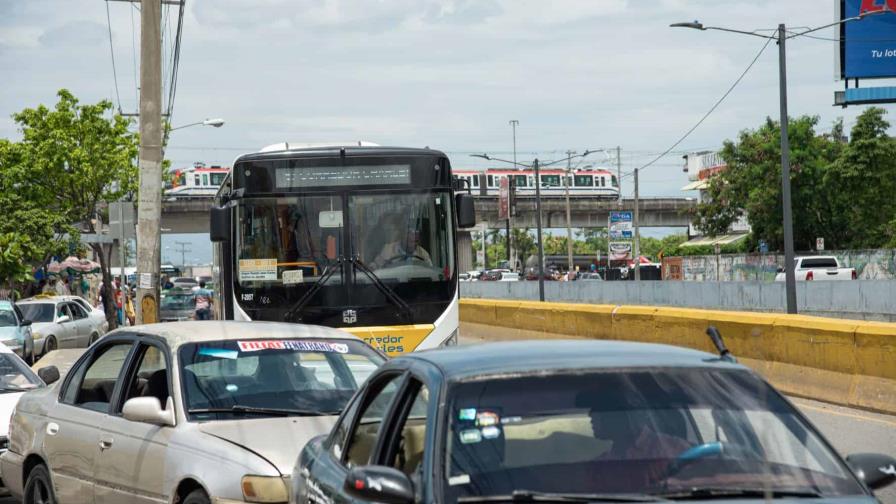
(292, 178)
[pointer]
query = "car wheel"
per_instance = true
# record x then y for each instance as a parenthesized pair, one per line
(197, 497)
(93, 338)
(38, 487)
(50, 344)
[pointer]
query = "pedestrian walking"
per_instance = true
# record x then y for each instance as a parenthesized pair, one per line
(202, 300)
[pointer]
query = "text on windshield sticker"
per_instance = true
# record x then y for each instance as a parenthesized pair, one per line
(296, 345)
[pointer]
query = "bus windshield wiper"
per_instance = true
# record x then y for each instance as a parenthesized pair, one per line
(532, 496)
(294, 313)
(240, 409)
(386, 290)
(712, 493)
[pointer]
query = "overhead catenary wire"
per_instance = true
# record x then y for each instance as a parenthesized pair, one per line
(710, 111)
(175, 66)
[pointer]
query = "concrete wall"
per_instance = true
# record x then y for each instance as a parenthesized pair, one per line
(839, 361)
(860, 299)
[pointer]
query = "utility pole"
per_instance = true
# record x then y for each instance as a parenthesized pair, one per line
(149, 208)
(566, 183)
(789, 273)
(637, 223)
(513, 123)
(183, 252)
(538, 224)
(619, 174)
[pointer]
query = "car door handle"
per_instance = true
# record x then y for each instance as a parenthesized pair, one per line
(106, 443)
(52, 428)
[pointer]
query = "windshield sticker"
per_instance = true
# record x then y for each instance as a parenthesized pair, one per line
(253, 270)
(487, 418)
(293, 277)
(221, 353)
(467, 414)
(490, 432)
(463, 479)
(470, 436)
(301, 346)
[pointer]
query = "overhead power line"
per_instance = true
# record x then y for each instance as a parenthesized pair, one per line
(112, 52)
(710, 111)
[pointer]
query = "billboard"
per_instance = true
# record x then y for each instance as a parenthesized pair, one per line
(620, 227)
(868, 46)
(504, 199)
(620, 250)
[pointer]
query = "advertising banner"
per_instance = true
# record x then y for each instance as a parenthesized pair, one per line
(504, 199)
(620, 227)
(869, 44)
(620, 250)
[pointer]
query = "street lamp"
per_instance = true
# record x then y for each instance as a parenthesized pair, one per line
(535, 166)
(217, 123)
(781, 37)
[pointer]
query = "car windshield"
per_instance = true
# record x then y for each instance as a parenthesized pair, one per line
(229, 379)
(177, 302)
(632, 431)
(15, 375)
(37, 312)
(7, 316)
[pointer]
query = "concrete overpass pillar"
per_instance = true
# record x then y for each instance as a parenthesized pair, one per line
(464, 250)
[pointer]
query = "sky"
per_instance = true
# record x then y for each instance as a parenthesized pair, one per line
(448, 74)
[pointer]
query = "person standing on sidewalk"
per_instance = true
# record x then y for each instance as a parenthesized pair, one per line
(202, 300)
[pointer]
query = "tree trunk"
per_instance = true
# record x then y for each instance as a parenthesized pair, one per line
(109, 296)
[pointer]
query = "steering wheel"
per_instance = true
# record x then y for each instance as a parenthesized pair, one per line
(403, 257)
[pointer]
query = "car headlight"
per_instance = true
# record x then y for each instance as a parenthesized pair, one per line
(264, 489)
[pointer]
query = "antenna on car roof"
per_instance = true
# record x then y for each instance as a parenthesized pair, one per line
(716, 338)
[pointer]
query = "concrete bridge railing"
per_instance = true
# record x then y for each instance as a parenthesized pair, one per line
(839, 361)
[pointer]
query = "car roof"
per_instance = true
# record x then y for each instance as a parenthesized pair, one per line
(540, 356)
(40, 299)
(176, 334)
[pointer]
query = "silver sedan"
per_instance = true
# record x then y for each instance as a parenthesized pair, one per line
(188, 412)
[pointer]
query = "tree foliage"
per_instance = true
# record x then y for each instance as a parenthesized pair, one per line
(840, 191)
(71, 162)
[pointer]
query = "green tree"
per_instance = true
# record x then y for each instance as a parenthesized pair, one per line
(73, 160)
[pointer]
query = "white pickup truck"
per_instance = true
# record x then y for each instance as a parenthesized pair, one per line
(818, 268)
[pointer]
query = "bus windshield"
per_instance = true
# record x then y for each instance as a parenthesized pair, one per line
(293, 242)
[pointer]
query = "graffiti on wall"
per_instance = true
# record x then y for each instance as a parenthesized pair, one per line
(879, 264)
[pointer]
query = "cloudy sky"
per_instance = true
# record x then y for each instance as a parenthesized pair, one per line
(448, 74)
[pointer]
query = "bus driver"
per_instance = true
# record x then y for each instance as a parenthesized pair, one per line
(404, 245)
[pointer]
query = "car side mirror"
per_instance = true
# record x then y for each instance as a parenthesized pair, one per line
(149, 410)
(379, 484)
(466, 211)
(876, 470)
(26, 323)
(49, 374)
(63, 319)
(219, 224)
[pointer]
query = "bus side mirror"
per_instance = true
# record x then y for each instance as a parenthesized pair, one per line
(466, 212)
(219, 224)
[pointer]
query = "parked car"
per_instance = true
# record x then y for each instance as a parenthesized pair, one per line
(818, 268)
(575, 421)
(16, 378)
(94, 312)
(498, 275)
(15, 331)
(176, 305)
(189, 412)
(59, 323)
(590, 277)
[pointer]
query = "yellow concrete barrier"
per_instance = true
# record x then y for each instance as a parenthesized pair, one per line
(835, 360)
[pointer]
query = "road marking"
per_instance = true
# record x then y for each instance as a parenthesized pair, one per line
(840, 413)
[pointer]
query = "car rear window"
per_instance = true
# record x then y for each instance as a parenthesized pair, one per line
(822, 262)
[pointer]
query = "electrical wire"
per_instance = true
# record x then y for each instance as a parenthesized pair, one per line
(134, 55)
(175, 67)
(709, 112)
(112, 52)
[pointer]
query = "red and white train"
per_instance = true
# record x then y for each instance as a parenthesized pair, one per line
(196, 180)
(596, 182)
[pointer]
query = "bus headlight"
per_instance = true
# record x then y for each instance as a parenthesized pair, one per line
(264, 489)
(452, 340)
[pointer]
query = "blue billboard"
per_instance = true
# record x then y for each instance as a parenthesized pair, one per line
(868, 49)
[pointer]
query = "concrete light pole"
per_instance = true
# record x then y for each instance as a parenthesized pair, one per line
(567, 180)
